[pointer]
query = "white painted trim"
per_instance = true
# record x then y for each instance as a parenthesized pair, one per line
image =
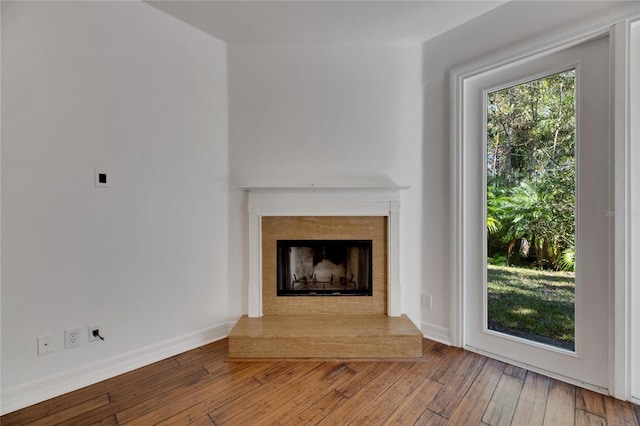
(619, 367)
(436, 333)
(0, 210)
(520, 54)
(324, 201)
(255, 261)
(30, 393)
(633, 282)
(289, 189)
(394, 294)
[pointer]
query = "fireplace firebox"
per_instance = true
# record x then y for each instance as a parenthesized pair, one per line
(324, 267)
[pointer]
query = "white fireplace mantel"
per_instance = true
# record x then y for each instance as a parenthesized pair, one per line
(324, 201)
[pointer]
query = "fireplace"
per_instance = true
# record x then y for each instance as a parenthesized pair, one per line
(322, 214)
(317, 257)
(309, 242)
(324, 268)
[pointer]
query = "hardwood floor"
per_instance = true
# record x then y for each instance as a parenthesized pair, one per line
(453, 386)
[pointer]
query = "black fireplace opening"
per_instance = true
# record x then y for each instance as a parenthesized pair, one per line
(324, 268)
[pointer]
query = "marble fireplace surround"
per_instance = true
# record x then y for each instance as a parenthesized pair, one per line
(315, 201)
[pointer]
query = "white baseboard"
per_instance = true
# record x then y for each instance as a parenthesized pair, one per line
(436, 333)
(30, 393)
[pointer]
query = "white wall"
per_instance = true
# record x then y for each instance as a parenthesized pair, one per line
(330, 114)
(507, 26)
(123, 87)
(162, 253)
(635, 209)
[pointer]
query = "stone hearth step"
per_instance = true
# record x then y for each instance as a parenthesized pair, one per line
(325, 336)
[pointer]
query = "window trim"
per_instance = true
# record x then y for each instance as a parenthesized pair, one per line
(617, 26)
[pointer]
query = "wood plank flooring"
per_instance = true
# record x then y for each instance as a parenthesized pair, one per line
(454, 387)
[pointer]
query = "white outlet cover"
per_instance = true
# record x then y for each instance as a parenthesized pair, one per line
(72, 338)
(45, 344)
(426, 301)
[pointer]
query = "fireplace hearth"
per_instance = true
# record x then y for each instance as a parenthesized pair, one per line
(324, 267)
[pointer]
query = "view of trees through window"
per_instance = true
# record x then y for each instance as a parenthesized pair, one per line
(531, 163)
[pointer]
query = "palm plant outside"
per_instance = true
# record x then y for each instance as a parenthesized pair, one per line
(531, 209)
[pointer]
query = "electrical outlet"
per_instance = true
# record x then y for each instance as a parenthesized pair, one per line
(93, 337)
(72, 338)
(45, 344)
(426, 301)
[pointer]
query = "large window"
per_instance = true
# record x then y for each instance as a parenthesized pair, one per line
(531, 163)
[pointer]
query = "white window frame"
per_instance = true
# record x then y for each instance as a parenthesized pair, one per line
(618, 27)
(632, 36)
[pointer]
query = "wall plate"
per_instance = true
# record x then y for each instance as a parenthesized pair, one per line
(93, 338)
(72, 338)
(101, 178)
(45, 344)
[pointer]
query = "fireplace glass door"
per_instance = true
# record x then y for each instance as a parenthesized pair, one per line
(324, 267)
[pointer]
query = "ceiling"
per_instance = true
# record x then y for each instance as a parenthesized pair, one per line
(337, 21)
